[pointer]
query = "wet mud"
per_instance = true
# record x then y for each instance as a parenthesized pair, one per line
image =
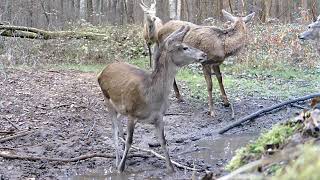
(66, 112)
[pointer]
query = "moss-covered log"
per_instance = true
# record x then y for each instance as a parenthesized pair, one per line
(34, 33)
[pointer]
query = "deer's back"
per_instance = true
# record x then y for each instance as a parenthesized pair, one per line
(201, 37)
(123, 85)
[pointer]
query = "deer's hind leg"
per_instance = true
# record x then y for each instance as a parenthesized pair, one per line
(207, 75)
(129, 139)
(216, 69)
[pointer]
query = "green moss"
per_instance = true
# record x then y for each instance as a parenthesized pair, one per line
(276, 136)
(305, 167)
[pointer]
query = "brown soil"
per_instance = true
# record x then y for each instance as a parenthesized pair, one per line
(66, 110)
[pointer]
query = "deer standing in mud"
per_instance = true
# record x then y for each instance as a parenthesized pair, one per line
(217, 43)
(152, 24)
(143, 96)
(313, 33)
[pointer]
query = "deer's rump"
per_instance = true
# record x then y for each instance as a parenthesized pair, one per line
(120, 83)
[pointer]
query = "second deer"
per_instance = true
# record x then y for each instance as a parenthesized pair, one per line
(143, 96)
(313, 32)
(217, 43)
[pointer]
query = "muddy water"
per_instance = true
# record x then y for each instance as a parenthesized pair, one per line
(214, 152)
(219, 150)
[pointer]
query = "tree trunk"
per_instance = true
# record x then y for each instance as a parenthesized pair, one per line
(162, 10)
(130, 17)
(83, 9)
(8, 11)
(173, 9)
(90, 11)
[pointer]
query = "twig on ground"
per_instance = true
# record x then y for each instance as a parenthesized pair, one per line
(23, 133)
(299, 106)
(265, 110)
(193, 150)
(161, 157)
(177, 114)
(79, 158)
(232, 111)
(6, 119)
(7, 132)
(89, 132)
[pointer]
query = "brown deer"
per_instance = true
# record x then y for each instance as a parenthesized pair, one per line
(217, 43)
(143, 96)
(152, 24)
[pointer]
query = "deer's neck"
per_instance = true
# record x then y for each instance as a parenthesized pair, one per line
(235, 40)
(162, 77)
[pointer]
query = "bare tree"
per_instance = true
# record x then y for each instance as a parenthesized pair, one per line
(89, 11)
(162, 10)
(83, 9)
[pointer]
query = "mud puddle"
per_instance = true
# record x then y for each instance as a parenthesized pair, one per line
(211, 151)
(218, 150)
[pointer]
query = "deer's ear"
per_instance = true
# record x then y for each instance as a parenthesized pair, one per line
(228, 16)
(176, 36)
(143, 7)
(249, 17)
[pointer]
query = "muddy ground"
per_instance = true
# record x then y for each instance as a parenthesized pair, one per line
(65, 109)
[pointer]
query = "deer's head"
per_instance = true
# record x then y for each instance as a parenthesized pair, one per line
(181, 53)
(313, 31)
(239, 22)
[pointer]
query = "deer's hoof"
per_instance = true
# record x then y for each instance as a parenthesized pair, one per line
(121, 168)
(170, 170)
(226, 104)
(212, 113)
(180, 100)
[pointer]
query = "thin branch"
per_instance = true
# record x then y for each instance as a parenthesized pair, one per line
(265, 110)
(79, 158)
(7, 132)
(232, 111)
(161, 157)
(24, 133)
(6, 119)
(177, 114)
(299, 106)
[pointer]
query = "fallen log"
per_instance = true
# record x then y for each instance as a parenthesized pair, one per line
(35, 33)
(265, 110)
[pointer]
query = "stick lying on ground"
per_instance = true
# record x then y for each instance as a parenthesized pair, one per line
(265, 110)
(6, 119)
(23, 133)
(163, 158)
(83, 157)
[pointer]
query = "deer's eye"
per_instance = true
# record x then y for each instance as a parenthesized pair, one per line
(185, 48)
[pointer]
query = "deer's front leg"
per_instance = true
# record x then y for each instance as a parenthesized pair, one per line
(159, 125)
(216, 69)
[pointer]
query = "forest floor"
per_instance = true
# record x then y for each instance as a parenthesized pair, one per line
(65, 114)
